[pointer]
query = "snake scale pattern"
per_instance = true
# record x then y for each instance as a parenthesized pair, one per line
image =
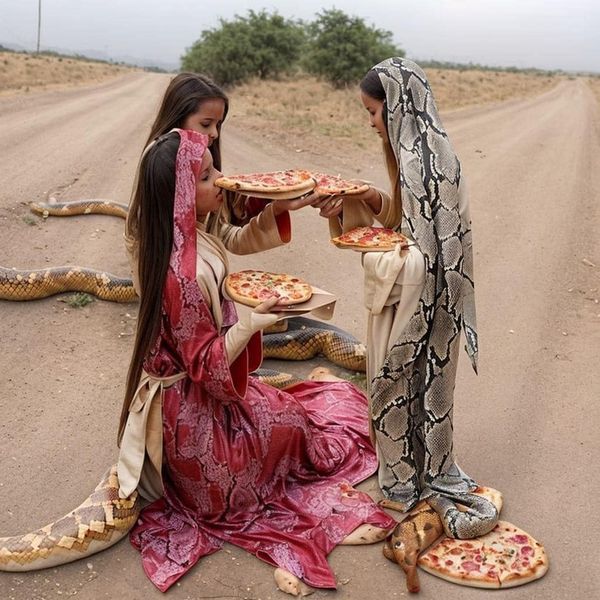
(97, 523)
(28, 285)
(413, 393)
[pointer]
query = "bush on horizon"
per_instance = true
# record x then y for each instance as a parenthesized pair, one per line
(335, 47)
(260, 45)
(341, 49)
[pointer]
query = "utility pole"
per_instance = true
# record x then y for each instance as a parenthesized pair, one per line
(39, 25)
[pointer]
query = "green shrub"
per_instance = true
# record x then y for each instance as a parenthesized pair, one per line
(260, 45)
(341, 49)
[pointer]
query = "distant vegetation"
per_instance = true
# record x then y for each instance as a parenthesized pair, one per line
(341, 49)
(259, 45)
(76, 56)
(443, 64)
(335, 47)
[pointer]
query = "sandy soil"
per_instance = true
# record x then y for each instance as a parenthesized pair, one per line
(25, 72)
(527, 425)
(324, 120)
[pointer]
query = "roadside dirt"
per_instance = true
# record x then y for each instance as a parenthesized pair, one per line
(527, 425)
(23, 72)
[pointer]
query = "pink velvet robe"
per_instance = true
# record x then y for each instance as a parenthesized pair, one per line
(244, 463)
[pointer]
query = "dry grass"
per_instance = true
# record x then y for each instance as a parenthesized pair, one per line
(25, 72)
(301, 108)
(317, 117)
(594, 83)
(460, 88)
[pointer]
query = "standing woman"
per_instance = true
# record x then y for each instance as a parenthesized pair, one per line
(419, 298)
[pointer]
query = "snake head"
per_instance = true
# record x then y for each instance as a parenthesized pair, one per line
(407, 559)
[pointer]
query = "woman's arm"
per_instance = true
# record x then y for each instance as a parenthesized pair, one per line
(268, 229)
(250, 322)
(357, 210)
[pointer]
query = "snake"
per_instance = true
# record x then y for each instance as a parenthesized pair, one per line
(303, 340)
(428, 521)
(103, 518)
(100, 521)
(27, 285)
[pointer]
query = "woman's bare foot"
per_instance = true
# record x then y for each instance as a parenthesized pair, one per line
(364, 534)
(323, 374)
(290, 584)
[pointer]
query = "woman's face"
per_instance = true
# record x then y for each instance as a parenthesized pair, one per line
(209, 197)
(207, 119)
(375, 110)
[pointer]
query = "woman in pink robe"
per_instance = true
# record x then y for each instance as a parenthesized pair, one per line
(242, 462)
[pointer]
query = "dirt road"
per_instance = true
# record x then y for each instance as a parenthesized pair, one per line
(528, 425)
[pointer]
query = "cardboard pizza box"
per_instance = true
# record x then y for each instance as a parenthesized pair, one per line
(321, 305)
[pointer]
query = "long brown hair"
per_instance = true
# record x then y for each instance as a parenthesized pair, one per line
(183, 97)
(154, 195)
(371, 85)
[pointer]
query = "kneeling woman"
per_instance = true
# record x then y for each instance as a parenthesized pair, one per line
(229, 459)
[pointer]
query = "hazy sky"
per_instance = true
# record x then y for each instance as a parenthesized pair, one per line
(549, 34)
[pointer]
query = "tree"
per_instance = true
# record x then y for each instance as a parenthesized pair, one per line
(341, 49)
(262, 45)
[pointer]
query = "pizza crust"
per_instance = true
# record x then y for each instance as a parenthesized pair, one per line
(289, 195)
(371, 249)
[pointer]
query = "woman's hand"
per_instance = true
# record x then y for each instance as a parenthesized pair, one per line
(280, 206)
(332, 206)
(371, 197)
(266, 305)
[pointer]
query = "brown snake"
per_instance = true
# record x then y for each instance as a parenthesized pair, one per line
(103, 518)
(41, 283)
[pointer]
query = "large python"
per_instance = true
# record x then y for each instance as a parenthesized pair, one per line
(303, 340)
(97, 523)
(104, 518)
(422, 526)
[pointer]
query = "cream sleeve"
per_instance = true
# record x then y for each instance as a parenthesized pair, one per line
(260, 233)
(132, 253)
(357, 213)
(238, 335)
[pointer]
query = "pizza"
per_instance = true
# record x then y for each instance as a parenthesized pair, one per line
(274, 185)
(505, 557)
(252, 287)
(336, 186)
(370, 239)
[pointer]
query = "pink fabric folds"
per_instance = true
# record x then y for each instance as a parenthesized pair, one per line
(244, 463)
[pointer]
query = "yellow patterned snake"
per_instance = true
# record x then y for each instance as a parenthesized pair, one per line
(103, 518)
(303, 340)
(97, 523)
(41, 283)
